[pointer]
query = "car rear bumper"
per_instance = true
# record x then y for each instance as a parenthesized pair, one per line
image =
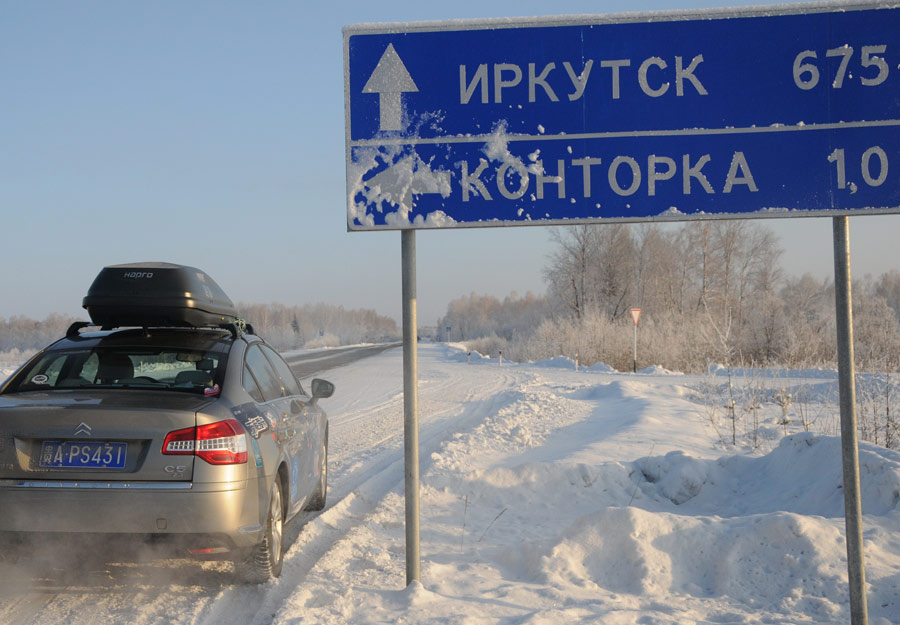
(229, 511)
(80, 547)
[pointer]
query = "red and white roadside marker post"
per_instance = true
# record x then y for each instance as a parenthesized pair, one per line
(635, 316)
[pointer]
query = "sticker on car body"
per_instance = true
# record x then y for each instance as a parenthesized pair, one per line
(253, 422)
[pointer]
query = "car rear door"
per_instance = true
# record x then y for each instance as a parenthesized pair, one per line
(277, 409)
(302, 417)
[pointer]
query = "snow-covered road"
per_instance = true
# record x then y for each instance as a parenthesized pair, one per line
(548, 496)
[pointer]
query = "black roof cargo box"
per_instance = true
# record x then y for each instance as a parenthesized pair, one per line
(157, 294)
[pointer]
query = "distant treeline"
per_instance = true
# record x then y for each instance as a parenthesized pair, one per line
(27, 335)
(708, 291)
(318, 325)
(311, 325)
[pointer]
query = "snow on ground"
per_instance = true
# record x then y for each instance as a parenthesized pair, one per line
(548, 496)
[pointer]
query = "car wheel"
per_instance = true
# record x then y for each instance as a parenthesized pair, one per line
(317, 501)
(267, 558)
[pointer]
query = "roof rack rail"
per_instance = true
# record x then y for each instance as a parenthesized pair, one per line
(74, 330)
(238, 327)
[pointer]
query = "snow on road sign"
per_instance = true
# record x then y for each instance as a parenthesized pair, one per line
(636, 117)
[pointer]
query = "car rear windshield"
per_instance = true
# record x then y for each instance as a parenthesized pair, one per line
(122, 367)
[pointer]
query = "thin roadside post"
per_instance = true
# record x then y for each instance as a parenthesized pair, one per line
(635, 316)
(856, 569)
(410, 404)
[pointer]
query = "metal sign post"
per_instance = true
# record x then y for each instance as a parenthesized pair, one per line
(856, 568)
(635, 316)
(410, 404)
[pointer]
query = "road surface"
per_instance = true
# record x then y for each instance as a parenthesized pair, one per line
(309, 364)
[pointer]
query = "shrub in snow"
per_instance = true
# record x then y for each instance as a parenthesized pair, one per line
(490, 346)
(328, 340)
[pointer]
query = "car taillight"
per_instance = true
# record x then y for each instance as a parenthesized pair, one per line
(180, 441)
(222, 442)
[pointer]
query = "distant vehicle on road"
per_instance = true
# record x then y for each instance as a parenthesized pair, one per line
(171, 423)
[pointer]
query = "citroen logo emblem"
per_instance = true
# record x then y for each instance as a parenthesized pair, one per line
(83, 429)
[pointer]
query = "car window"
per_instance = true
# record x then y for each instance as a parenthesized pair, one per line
(54, 366)
(269, 384)
(89, 367)
(251, 386)
(288, 380)
(120, 366)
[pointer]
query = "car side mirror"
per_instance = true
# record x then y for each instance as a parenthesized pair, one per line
(322, 388)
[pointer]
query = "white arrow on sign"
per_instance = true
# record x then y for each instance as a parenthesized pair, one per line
(407, 177)
(389, 79)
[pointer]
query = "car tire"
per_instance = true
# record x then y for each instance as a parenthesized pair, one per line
(267, 558)
(317, 500)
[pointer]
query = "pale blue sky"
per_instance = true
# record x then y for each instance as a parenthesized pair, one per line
(211, 133)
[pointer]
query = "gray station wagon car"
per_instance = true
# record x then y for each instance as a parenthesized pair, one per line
(171, 422)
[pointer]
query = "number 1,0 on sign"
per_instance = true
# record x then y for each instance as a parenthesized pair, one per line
(873, 166)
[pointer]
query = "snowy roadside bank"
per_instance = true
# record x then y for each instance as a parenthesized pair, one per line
(556, 496)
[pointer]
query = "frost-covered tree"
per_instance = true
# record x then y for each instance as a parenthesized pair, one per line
(888, 287)
(570, 269)
(317, 324)
(19, 332)
(475, 316)
(592, 269)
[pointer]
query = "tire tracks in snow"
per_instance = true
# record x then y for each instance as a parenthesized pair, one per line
(358, 490)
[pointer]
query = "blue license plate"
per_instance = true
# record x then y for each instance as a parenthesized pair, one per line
(83, 455)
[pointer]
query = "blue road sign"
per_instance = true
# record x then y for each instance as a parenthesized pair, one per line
(635, 117)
